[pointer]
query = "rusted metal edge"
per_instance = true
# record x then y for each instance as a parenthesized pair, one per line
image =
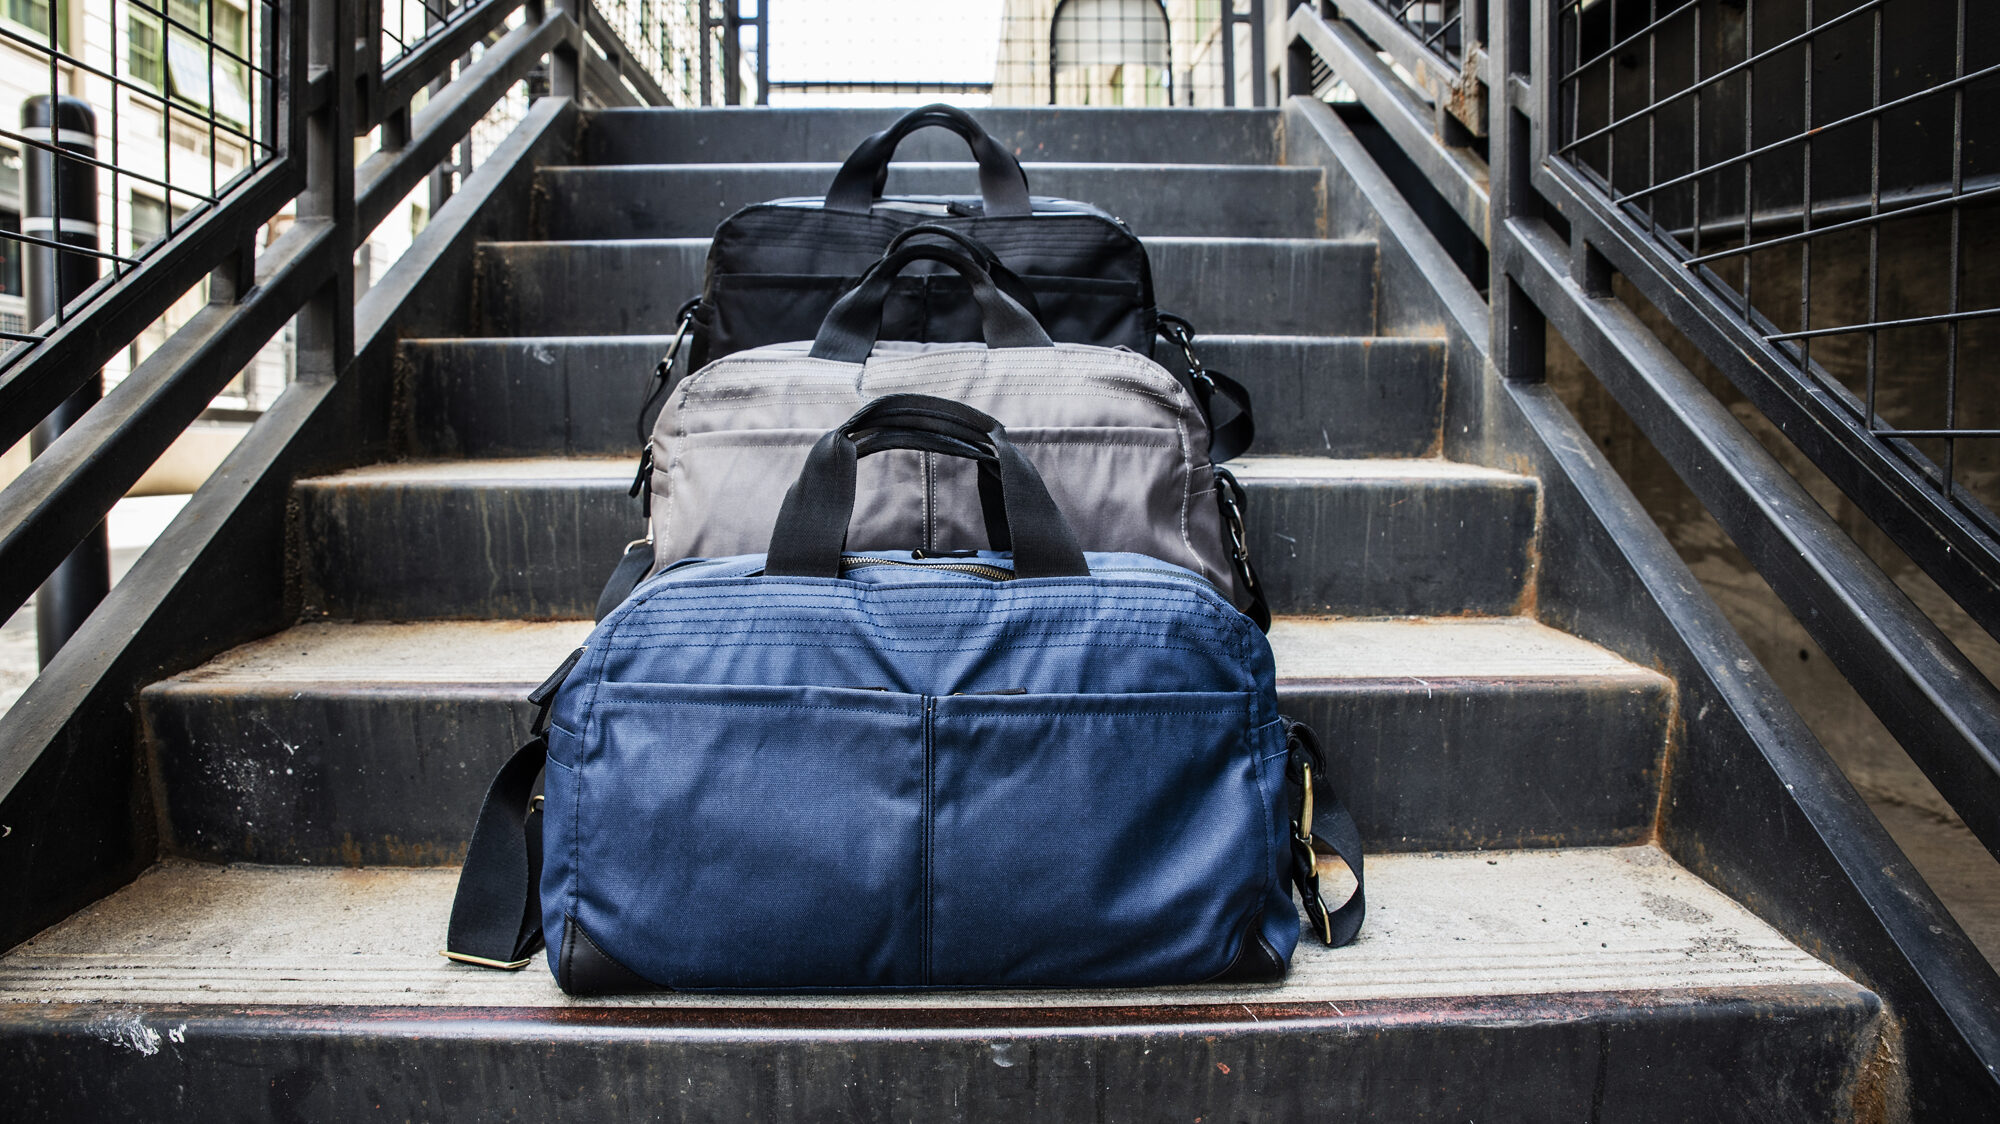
(1345, 1016)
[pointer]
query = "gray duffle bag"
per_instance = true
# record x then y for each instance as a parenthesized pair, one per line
(1120, 442)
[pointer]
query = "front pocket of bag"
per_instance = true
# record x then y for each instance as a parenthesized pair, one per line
(1094, 840)
(754, 837)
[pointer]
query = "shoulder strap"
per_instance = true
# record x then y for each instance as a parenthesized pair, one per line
(1232, 438)
(1320, 820)
(496, 917)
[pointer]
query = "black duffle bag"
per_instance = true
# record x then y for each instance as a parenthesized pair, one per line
(775, 268)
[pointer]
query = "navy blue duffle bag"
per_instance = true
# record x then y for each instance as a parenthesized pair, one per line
(814, 769)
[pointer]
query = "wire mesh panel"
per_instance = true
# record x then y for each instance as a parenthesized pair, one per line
(407, 23)
(1830, 170)
(1000, 52)
(664, 38)
(168, 106)
(1440, 25)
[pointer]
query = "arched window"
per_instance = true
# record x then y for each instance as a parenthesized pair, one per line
(1110, 52)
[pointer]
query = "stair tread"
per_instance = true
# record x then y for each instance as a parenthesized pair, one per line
(507, 653)
(829, 167)
(1472, 924)
(497, 470)
(661, 340)
(1148, 239)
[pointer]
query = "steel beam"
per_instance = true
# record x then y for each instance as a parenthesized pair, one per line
(386, 177)
(65, 491)
(1822, 421)
(1458, 176)
(1932, 699)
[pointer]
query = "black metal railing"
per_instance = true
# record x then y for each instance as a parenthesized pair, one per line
(1800, 190)
(1440, 26)
(245, 209)
(188, 69)
(1711, 141)
(1129, 53)
(1768, 149)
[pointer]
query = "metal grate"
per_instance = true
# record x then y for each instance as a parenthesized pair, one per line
(1007, 52)
(182, 96)
(1439, 25)
(407, 23)
(1828, 169)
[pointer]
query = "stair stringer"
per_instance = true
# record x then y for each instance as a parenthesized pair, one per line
(1750, 800)
(82, 819)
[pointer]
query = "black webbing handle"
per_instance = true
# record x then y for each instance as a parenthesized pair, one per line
(850, 329)
(811, 531)
(1002, 184)
(1004, 279)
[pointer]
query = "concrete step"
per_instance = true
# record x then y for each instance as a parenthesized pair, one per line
(373, 743)
(1337, 396)
(1275, 286)
(688, 200)
(535, 537)
(1591, 983)
(1126, 136)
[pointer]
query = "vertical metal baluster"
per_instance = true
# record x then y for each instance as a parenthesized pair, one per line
(1694, 133)
(1874, 212)
(214, 186)
(56, 169)
(1957, 188)
(1652, 116)
(1749, 142)
(1805, 207)
(1611, 101)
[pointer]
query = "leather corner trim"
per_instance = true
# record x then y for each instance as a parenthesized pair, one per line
(585, 969)
(1256, 961)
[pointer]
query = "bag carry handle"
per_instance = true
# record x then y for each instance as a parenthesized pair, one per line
(1004, 279)
(1002, 184)
(811, 532)
(851, 326)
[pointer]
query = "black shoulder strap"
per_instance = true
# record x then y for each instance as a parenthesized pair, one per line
(632, 569)
(496, 917)
(1234, 437)
(1320, 820)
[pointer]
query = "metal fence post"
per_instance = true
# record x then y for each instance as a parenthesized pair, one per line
(326, 323)
(565, 61)
(1519, 331)
(60, 198)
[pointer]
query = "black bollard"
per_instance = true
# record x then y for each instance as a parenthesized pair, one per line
(60, 204)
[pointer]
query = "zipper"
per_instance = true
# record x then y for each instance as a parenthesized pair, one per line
(976, 569)
(930, 822)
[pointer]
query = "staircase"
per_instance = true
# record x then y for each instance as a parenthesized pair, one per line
(1531, 952)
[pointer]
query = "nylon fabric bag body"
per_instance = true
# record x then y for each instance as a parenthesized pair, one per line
(1121, 443)
(918, 777)
(818, 768)
(823, 768)
(776, 268)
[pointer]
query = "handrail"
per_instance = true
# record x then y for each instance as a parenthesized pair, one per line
(67, 490)
(1942, 710)
(1933, 700)
(1456, 172)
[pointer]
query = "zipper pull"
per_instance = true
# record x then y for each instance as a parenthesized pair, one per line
(640, 481)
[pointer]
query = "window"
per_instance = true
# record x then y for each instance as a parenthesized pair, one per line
(149, 221)
(188, 75)
(144, 58)
(10, 255)
(34, 15)
(1110, 52)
